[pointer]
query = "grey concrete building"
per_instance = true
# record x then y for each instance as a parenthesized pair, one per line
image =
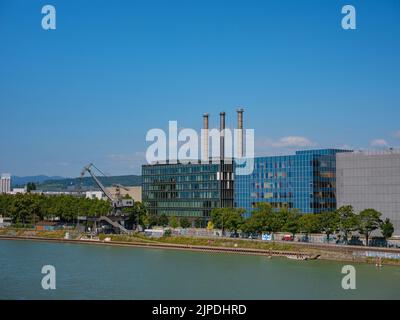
(370, 180)
(5, 183)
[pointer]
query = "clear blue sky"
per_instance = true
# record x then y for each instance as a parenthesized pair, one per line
(91, 89)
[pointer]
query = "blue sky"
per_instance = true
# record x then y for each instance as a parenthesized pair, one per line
(91, 89)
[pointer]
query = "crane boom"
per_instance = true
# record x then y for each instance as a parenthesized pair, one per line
(117, 202)
(106, 192)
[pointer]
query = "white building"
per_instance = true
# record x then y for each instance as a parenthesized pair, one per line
(18, 191)
(95, 195)
(5, 183)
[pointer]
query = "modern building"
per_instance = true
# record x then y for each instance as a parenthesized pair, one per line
(370, 180)
(305, 181)
(190, 190)
(5, 183)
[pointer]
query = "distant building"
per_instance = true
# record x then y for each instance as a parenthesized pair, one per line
(55, 193)
(370, 180)
(305, 181)
(95, 195)
(5, 183)
(18, 191)
(134, 192)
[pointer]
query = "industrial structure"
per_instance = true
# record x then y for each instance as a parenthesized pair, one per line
(193, 189)
(118, 203)
(116, 218)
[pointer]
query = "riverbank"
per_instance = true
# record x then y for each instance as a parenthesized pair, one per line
(292, 250)
(157, 245)
(107, 272)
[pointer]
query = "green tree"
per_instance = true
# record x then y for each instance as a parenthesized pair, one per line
(31, 186)
(5, 202)
(329, 223)
(198, 223)
(152, 220)
(309, 223)
(227, 218)
(235, 219)
(141, 212)
(291, 220)
(185, 223)
(368, 221)
(387, 228)
(261, 219)
(347, 221)
(25, 208)
(138, 215)
(174, 222)
(163, 220)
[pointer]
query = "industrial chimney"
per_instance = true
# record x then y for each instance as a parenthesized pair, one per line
(240, 153)
(222, 135)
(205, 154)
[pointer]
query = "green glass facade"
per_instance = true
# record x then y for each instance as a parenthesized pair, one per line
(190, 190)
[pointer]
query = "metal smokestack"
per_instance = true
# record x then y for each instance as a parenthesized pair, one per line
(205, 152)
(222, 135)
(240, 133)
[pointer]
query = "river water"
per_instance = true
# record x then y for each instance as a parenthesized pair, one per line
(110, 272)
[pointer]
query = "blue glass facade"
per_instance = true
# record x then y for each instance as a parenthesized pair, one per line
(304, 181)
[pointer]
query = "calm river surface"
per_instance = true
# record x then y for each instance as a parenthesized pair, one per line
(109, 272)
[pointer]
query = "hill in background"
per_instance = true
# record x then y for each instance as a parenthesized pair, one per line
(22, 181)
(87, 183)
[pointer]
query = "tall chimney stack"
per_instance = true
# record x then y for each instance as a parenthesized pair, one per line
(240, 131)
(222, 135)
(205, 153)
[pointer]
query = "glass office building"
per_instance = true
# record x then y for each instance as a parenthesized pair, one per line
(305, 181)
(190, 190)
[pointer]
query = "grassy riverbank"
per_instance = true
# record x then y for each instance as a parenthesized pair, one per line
(332, 253)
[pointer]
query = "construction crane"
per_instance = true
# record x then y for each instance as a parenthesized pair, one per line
(117, 202)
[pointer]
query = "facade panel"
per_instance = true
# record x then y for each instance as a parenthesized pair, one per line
(371, 180)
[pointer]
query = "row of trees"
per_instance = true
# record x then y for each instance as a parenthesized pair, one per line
(31, 208)
(264, 219)
(173, 221)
